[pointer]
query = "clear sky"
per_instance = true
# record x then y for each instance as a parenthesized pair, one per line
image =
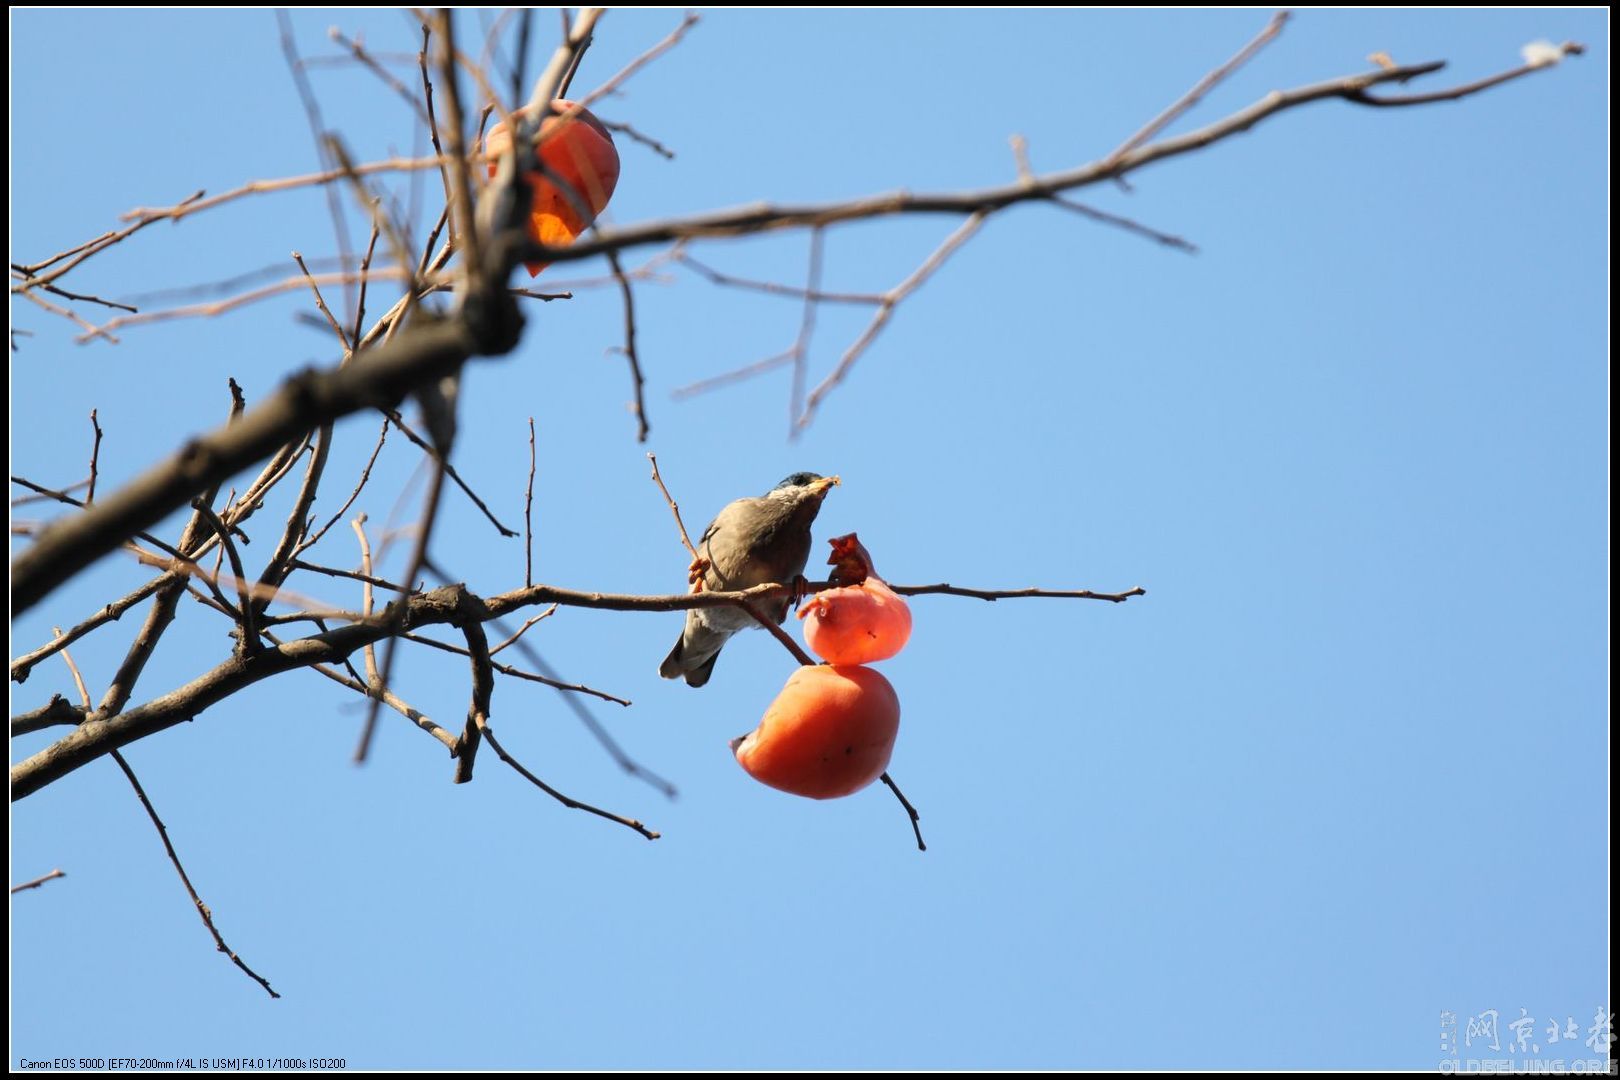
(1341, 772)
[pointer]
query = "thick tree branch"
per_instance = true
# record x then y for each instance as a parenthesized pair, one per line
(383, 376)
(767, 217)
(448, 605)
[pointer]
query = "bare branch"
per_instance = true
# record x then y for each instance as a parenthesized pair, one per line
(447, 605)
(95, 454)
(365, 474)
(528, 490)
(674, 508)
(381, 377)
(636, 136)
(366, 60)
(1202, 87)
(463, 230)
(911, 810)
(571, 803)
(680, 255)
(57, 712)
(168, 597)
(37, 882)
(1457, 93)
(245, 607)
(375, 684)
(163, 834)
(1009, 594)
(514, 637)
(891, 300)
(320, 302)
(766, 217)
(203, 910)
(639, 407)
(518, 673)
(483, 687)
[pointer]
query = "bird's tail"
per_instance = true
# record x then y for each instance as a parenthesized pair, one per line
(693, 656)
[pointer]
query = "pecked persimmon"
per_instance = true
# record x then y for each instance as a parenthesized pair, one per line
(829, 733)
(581, 155)
(856, 624)
(861, 621)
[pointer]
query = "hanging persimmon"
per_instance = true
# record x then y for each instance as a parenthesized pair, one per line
(829, 733)
(579, 154)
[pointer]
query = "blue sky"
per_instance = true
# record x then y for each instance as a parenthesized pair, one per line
(1342, 770)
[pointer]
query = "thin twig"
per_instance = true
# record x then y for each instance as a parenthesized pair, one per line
(1130, 225)
(365, 59)
(449, 470)
(911, 810)
(90, 248)
(365, 474)
(393, 701)
(636, 136)
(639, 407)
(320, 302)
(365, 270)
(1009, 594)
(203, 910)
(571, 803)
(95, 455)
(519, 673)
(1202, 87)
(245, 607)
(674, 508)
(333, 571)
(781, 635)
(807, 325)
(279, 564)
(528, 501)
(520, 60)
(317, 132)
(163, 833)
(513, 638)
(37, 882)
(463, 230)
(736, 375)
(161, 613)
(23, 665)
(73, 670)
(215, 308)
(374, 680)
(891, 300)
(772, 288)
(1568, 48)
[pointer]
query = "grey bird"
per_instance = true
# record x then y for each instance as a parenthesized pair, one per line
(751, 542)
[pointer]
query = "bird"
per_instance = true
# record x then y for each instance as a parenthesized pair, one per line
(753, 541)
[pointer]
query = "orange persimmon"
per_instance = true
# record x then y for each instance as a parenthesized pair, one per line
(829, 733)
(581, 155)
(856, 624)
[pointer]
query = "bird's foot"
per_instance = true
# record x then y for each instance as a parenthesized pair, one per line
(695, 572)
(798, 589)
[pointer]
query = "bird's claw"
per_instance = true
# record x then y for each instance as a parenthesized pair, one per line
(695, 572)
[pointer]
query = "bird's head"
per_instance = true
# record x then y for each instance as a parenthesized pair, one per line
(803, 485)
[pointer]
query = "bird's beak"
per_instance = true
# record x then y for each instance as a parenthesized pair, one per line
(825, 484)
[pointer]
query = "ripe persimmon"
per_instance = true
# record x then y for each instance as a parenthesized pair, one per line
(856, 624)
(829, 733)
(581, 155)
